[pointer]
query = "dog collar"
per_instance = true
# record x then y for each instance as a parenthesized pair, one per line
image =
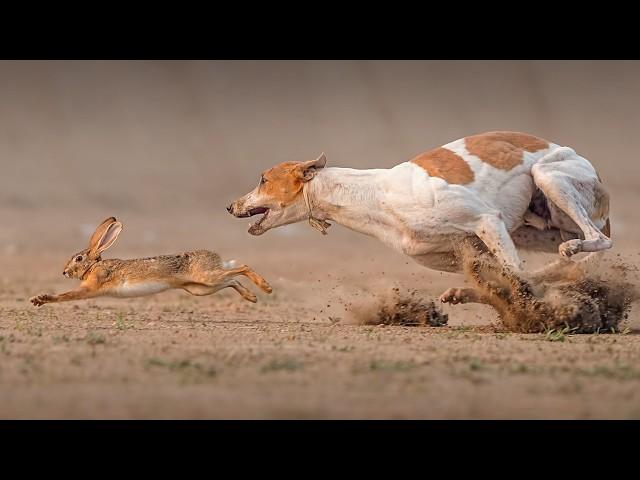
(320, 225)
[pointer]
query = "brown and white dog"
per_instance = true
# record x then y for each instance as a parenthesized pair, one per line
(506, 188)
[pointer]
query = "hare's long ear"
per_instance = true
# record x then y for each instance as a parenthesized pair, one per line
(100, 231)
(108, 238)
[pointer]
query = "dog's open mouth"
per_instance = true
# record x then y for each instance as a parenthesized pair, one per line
(258, 211)
(255, 227)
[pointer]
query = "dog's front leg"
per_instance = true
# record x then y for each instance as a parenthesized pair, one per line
(493, 232)
(456, 295)
(78, 294)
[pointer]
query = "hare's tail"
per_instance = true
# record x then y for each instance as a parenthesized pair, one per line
(229, 264)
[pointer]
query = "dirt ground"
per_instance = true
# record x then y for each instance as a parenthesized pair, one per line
(165, 146)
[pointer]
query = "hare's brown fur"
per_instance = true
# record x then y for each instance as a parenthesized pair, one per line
(195, 266)
(200, 272)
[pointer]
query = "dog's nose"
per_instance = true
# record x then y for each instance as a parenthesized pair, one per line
(229, 208)
(64, 273)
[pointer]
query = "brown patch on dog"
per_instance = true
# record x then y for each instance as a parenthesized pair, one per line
(282, 182)
(607, 229)
(503, 150)
(445, 164)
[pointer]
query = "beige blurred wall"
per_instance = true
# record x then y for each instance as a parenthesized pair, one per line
(132, 135)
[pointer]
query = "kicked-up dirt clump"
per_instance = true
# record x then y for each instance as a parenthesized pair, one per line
(405, 309)
(578, 296)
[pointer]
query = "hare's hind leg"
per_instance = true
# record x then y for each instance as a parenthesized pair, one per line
(242, 290)
(251, 275)
(200, 289)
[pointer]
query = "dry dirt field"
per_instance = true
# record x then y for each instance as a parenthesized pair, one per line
(165, 146)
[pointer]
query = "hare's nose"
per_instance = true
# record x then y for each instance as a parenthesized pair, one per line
(229, 208)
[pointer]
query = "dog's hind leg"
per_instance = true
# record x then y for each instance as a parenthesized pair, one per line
(573, 190)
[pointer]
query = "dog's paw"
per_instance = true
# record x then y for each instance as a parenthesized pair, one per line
(453, 296)
(570, 248)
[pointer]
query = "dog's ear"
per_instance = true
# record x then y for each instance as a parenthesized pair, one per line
(306, 170)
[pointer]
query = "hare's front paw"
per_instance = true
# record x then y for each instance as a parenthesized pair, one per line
(40, 300)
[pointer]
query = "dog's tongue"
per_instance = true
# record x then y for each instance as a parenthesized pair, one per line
(257, 211)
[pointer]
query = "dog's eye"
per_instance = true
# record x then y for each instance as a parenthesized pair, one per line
(263, 180)
(79, 258)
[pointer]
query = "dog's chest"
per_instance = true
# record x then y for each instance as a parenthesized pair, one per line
(421, 242)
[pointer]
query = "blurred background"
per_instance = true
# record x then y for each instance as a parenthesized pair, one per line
(166, 145)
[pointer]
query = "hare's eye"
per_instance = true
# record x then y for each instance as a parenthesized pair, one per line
(79, 258)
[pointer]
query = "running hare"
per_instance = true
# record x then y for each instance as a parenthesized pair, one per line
(200, 272)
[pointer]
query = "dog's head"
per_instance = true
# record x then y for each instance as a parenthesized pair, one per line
(278, 197)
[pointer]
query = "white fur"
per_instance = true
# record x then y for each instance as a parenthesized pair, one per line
(138, 289)
(424, 217)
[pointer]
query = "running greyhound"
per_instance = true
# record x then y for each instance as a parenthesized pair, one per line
(507, 189)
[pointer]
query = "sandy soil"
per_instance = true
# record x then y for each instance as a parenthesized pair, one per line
(166, 146)
(295, 354)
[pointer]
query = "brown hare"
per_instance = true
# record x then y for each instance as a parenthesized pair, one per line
(200, 272)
